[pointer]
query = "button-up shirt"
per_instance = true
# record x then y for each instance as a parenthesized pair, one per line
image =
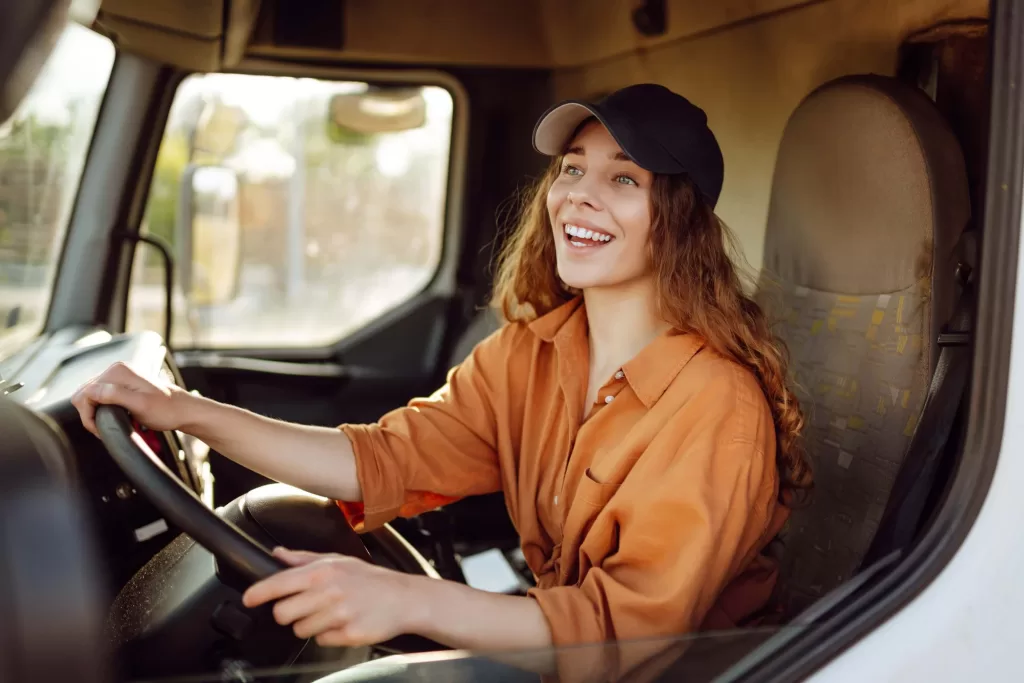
(644, 518)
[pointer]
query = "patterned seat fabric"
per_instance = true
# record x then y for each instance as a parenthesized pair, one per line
(869, 199)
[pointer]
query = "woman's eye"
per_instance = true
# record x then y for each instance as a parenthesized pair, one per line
(571, 170)
(625, 180)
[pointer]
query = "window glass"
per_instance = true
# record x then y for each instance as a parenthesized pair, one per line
(43, 148)
(298, 210)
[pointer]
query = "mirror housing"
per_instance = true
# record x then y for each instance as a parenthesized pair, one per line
(361, 115)
(209, 234)
(217, 131)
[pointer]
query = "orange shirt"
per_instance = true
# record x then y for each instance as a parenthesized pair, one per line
(646, 519)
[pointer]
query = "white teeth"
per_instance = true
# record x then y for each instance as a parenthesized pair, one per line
(583, 233)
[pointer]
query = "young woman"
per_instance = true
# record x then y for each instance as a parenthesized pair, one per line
(634, 411)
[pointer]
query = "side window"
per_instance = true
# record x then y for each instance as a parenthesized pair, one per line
(43, 149)
(297, 210)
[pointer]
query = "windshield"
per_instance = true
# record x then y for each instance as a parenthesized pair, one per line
(42, 153)
(692, 657)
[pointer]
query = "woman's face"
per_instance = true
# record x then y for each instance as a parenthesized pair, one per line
(600, 212)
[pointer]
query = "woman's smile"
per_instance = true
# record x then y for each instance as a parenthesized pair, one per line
(584, 238)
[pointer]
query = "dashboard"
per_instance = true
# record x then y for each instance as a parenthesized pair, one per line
(130, 529)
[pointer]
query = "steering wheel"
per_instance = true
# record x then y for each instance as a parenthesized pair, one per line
(232, 546)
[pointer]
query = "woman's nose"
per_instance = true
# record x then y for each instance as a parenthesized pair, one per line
(580, 195)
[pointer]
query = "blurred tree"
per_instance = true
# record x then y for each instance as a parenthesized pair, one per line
(33, 157)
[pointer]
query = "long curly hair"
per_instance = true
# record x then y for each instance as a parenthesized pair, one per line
(698, 288)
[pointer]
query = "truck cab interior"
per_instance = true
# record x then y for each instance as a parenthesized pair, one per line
(294, 208)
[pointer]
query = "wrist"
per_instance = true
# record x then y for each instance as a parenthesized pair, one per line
(418, 594)
(187, 410)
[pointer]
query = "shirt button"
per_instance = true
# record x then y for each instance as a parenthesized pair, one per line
(609, 399)
(620, 374)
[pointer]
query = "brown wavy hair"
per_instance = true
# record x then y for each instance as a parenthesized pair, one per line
(698, 288)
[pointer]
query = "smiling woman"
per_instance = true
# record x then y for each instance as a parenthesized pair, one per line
(648, 193)
(633, 412)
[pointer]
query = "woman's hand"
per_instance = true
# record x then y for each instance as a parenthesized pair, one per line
(340, 601)
(156, 407)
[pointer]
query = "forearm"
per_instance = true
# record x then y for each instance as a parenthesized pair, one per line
(466, 618)
(316, 459)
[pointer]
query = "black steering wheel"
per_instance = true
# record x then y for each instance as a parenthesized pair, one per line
(232, 546)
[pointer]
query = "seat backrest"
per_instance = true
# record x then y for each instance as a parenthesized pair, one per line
(869, 199)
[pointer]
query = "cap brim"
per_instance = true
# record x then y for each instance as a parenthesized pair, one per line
(553, 131)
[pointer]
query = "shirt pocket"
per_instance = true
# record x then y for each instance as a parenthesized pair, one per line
(592, 492)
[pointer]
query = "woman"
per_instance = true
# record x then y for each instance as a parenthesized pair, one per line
(634, 412)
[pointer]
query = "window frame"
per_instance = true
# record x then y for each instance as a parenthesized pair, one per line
(16, 349)
(443, 280)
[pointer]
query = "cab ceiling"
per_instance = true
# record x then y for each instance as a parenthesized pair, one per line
(208, 35)
(748, 63)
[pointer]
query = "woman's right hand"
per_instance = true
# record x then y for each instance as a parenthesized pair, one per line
(327, 466)
(157, 407)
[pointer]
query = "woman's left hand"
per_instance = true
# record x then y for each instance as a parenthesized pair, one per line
(340, 601)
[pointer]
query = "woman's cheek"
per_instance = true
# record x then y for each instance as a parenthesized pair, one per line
(556, 196)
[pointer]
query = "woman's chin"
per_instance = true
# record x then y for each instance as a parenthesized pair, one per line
(581, 281)
(603, 281)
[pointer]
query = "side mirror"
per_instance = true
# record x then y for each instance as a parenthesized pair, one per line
(218, 129)
(209, 235)
(360, 115)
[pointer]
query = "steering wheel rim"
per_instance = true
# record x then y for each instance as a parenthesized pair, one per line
(232, 546)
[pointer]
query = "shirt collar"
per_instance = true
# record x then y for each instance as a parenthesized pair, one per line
(548, 325)
(649, 373)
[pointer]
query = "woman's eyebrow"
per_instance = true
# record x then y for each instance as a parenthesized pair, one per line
(578, 150)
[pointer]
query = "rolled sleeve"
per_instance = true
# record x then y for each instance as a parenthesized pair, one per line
(573, 616)
(436, 449)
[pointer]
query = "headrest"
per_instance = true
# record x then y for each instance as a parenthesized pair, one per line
(870, 190)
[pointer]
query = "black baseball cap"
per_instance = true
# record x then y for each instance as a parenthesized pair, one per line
(659, 130)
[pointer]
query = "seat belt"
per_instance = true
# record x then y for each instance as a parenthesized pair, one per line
(914, 481)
